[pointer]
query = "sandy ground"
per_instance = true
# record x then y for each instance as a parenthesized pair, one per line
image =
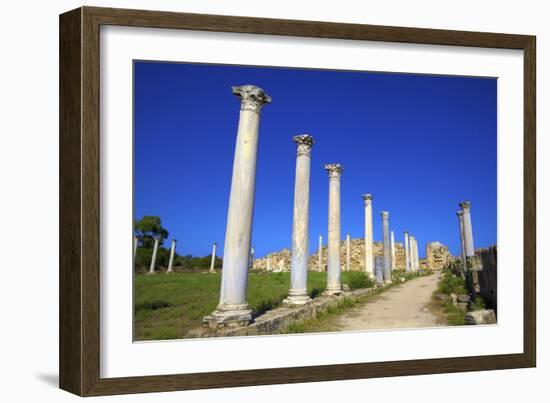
(403, 306)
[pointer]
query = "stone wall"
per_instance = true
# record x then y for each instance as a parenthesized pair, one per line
(280, 261)
(437, 256)
(487, 276)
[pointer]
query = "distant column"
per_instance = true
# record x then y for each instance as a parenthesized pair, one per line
(334, 285)
(369, 254)
(233, 308)
(251, 263)
(171, 261)
(392, 244)
(348, 253)
(379, 270)
(407, 255)
(135, 246)
(467, 223)
(387, 247)
(320, 254)
(300, 226)
(412, 259)
(213, 258)
(459, 214)
(154, 257)
(416, 257)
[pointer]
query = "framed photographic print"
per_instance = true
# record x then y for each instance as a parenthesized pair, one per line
(249, 201)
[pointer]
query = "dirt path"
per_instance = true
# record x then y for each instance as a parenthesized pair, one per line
(402, 306)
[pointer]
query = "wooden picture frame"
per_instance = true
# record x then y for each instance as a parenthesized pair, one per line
(80, 199)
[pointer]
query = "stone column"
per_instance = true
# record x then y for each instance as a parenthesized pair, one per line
(467, 225)
(369, 254)
(213, 258)
(171, 261)
(348, 253)
(251, 263)
(233, 308)
(392, 243)
(411, 253)
(154, 257)
(379, 270)
(416, 258)
(135, 246)
(387, 247)
(334, 285)
(300, 226)
(407, 255)
(320, 254)
(459, 214)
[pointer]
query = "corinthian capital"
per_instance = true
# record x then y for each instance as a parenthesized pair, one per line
(334, 170)
(367, 197)
(385, 215)
(465, 205)
(252, 97)
(305, 142)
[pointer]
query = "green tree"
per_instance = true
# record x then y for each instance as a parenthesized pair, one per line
(147, 229)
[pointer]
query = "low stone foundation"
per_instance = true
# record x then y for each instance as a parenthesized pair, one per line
(277, 320)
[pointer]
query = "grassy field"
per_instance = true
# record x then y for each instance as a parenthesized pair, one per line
(168, 306)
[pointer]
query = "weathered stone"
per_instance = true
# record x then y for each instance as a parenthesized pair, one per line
(481, 317)
(437, 255)
(442, 297)
(454, 299)
(464, 298)
(345, 287)
(334, 266)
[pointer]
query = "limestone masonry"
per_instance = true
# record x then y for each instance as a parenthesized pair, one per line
(437, 256)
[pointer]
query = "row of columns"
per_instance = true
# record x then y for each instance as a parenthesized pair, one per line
(172, 255)
(233, 309)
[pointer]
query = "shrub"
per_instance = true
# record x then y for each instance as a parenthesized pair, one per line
(358, 279)
(451, 283)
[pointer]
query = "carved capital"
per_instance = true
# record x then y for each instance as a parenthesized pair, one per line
(334, 170)
(305, 143)
(465, 205)
(252, 97)
(459, 214)
(367, 197)
(385, 215)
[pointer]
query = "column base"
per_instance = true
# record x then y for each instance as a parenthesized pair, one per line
(227, 315)
(388, 282)
(150, 273)
(333, 290)
(297, 298)
(169, 272)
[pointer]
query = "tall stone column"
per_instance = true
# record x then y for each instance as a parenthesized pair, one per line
(369, 254)
(213, 258)
(379, 270)
(233, 308)
(467, 225)
(320, 254)
(135, 246)
(300, 226)
(459, 214)
(416, 258)
(348, 253)
(171, 260)
(392, 243)
(334, 284)
(407, 253)
(154, 257)
(387, 247)
(411, 253)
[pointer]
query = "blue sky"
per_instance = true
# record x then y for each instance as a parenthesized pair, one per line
(420, 144)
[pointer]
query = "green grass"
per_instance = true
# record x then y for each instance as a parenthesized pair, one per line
(451, 283)
(168, 306)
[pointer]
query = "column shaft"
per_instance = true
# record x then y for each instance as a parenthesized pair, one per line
(334, 285)
(213, 258)
(459, 214)
(171, 260)
(320, 254)
(348, 253)
(300, 225)
(392, 241)
(135, 246)
(387, 246)
(407, 255)
(154, 257)
(468, 233)
(369, 253)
